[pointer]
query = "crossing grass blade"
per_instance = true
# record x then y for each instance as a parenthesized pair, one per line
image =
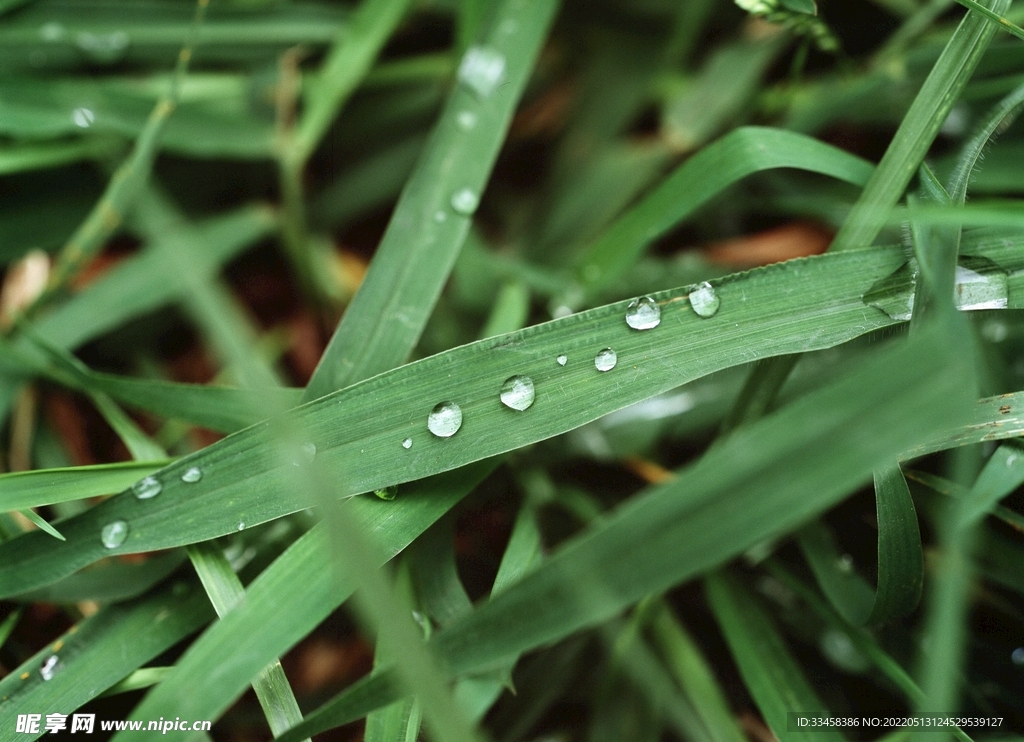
(418, 249)
(31, 489)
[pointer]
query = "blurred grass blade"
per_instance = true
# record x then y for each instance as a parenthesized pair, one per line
(806, 457)
(432, 559)
(740, 153)
(8, 624)
(433, 215)
(1002, 475)
(770, 673)
(144, 678)
(918, 129)
(694, 675)
(31, 489)
(290, 598)
(900, 558)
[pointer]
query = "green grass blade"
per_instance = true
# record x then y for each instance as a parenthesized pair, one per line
(740, 153)
(32, 489)
(419, 248)
(42, 524)
(799, 306)
(918, 129)
(225, 592)
(110, 581)
(138, 680)
(435, 575)
(770, 673)
(290, 598)
(102, 650)
(1004, 23)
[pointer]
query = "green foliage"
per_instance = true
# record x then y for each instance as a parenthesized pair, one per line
(501, 341)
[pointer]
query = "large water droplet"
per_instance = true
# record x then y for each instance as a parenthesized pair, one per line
(407, 443)
(704, 300)
(465, 202)
(83, 117)
(192, 475)
(49, 668)
(605, 360)
(103, 47)
(445, 420)
(466, 120)
(114, 534)
(147, 488)
(643, 314)
(562, 359)
(1017, 656)
(517, 392)
(305, 454)
(482, 70)
(387, 493)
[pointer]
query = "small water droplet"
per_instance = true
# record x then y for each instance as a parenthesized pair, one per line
(51, 32)
(517, 392)
(1011, 459)
(103, 47)
(704, 300)
(482, 70)
(83, 117)
(49, 668)
(440, 216)
(192, 475)
(305, 454)
(562, 359)
(605, 360)
(995, 331)
(241, 525)
(643, 313)
(1017, 656)
(465, 202)
(114, 534)
(407, 443)
(147, 488)
(840, 650)
(445, 420)
(466, 120)
(387, 493)
(845, 564)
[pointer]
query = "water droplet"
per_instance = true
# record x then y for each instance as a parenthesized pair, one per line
(83, 117)
(241, 525)
(103, 47)
(407, 443)
(305, 454)
(704, 300)
(445, 420)
(1011, 459)
(387, 493)
(51, 32)
(465, 202)
(49, 668)
(605, 360)
(562, 359)
(845, 564)
(192, 475)
(114, 534)
(1017, 656)
(466, 120)
(995, 331)
(643, 313)
(517, 392)
(147, 488)
(440, 216)
(840, 650)
(482, 70)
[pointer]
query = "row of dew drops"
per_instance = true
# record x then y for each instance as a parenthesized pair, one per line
(517, 393)
(444, 421)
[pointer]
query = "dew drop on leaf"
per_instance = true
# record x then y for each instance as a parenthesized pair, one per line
(305, 454)
(517, 393)
(407, 443)
(482, 70)
(445, 420)
(643, 314)
(114, 534)
(465, 202)
(49, 668)
(704, 300)
(387, 493)
(605, 360)
(192, 475)
(147, 488)
(83, 117)
(562, 359)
